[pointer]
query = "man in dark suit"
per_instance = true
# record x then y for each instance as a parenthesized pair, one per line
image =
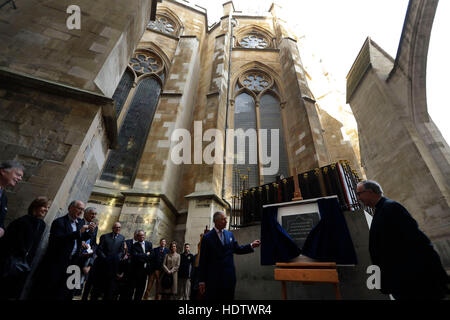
(410, 267)
(11, 172)
(217, 274)
(140, 259)
(66, 234)
(185, 272)
(110, 252)
(157, 260)
(87, 252)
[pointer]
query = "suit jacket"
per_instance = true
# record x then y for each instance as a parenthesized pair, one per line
(409, 265)
(216, 267)
(158, 258)
(110, 247)
(3, 208)
(51, 274)
(186, 265)
(22, 237)
(61, 241)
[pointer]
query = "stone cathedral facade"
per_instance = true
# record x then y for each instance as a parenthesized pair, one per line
(243, 72)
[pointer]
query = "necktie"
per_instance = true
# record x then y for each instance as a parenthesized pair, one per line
(222, 237)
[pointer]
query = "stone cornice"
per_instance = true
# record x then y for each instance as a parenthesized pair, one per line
(107, 104)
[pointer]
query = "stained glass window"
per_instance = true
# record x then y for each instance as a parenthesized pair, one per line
(123, 89)
(245, 118)
(253, 41)
(145, 62)
(162, 24)
(270, 118)
(122, 162)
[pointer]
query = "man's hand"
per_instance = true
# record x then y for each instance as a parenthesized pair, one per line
(2, 232)
(84, 245)
(202, 287)
(84, 228)
(256, 244)
(92, 226)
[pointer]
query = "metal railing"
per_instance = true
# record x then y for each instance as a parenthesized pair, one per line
(335, 179)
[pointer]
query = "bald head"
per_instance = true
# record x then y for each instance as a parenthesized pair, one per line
(76, 209)
(116, 227)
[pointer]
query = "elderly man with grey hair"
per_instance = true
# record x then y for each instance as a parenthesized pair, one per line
(88, 248)
(410, 267)
(217, 274)
(11, 172)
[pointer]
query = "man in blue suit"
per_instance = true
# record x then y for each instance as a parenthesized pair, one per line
(217, 274)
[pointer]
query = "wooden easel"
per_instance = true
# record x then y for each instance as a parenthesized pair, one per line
(307, 272)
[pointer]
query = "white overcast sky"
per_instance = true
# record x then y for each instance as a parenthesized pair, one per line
(338, 29)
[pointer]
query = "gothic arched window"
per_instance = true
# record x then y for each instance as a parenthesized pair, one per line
(246, 149)
(163, 24)
(252, 38)
(256, 89)
(254, 41)
(270, 118)
(123, 90)
(121, 164)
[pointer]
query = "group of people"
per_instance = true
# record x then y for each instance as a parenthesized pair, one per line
(123, 269)
(115, 268)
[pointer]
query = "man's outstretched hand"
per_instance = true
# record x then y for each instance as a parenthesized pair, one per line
(256, 244)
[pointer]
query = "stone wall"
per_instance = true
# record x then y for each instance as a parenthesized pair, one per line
(59, 138)
(400, 146)
(91, 58)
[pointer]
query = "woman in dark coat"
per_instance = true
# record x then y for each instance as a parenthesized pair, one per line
(22, 238)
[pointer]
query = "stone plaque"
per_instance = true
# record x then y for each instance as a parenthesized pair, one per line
(298, 226)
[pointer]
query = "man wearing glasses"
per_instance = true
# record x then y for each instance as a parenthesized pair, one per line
(410, 267)
(66, 235)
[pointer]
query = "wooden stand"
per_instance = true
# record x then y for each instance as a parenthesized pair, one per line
(307, 272)
(297, 191)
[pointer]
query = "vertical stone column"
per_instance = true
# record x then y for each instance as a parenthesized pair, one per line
(306, 142)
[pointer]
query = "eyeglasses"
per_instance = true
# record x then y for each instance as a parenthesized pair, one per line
(82, 209)
(117, 227)
(360, 192)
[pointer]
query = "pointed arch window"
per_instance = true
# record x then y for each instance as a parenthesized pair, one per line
(148, 70)
(253, 38)
(256, 88)
(254, 41)
(245, 119)
(163, 24)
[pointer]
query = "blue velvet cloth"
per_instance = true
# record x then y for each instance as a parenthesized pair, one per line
(328, 241)
(276, 244)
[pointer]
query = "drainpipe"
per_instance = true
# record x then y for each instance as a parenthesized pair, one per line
(230, 29)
